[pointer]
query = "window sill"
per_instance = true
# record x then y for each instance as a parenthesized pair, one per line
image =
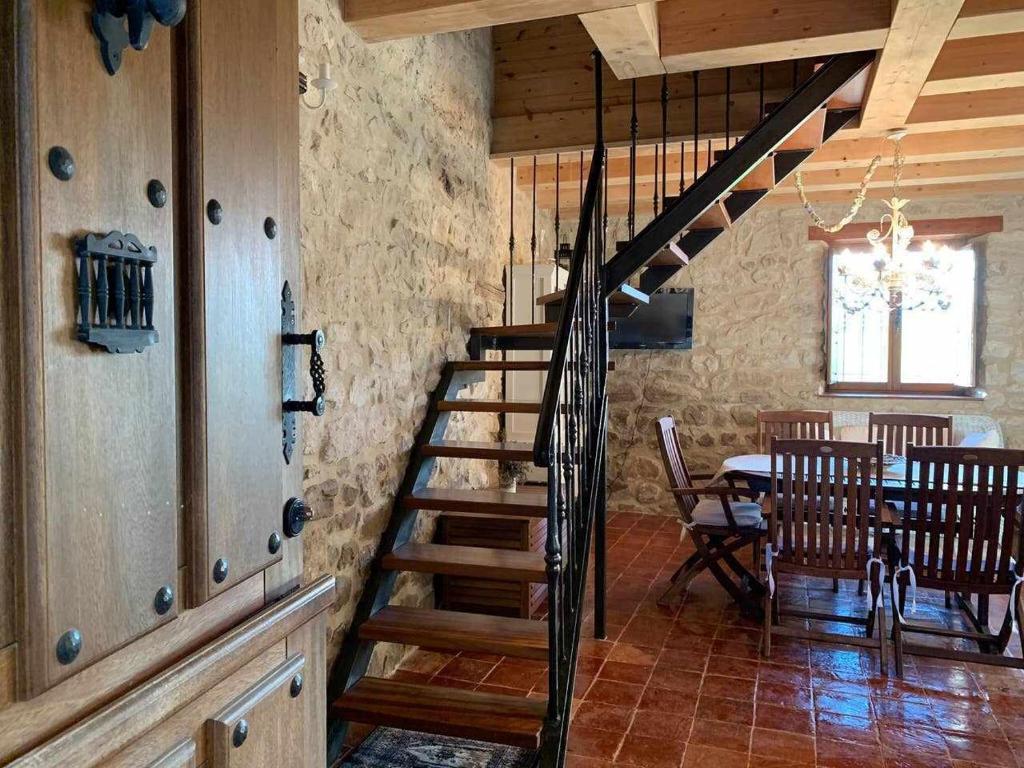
(978, 394)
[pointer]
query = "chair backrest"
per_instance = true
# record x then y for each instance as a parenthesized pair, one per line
(792, 425)
(675, 466)
(898, 430)
(961, 517)
(826, 496)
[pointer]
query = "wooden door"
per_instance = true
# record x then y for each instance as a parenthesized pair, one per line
(242, 95)
(94, 440)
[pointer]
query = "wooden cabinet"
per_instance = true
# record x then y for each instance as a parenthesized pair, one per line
(149, 222)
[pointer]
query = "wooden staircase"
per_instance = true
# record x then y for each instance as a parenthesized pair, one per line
(502, 719)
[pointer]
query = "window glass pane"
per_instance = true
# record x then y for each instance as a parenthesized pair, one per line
(938, 344)
(860, 339)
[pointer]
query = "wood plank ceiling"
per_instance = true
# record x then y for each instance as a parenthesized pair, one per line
(951, 71)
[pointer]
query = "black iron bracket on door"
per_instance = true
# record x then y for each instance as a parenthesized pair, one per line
(290, 339)
(114, 292)
(120, 23)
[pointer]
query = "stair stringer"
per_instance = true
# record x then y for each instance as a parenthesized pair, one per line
(354, 658)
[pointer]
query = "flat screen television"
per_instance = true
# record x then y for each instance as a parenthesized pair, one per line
(665, 323)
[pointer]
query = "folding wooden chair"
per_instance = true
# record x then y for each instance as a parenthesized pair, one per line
(897, 430)
(961, 529)
(720, 526)
(824, 522)
(792, 425)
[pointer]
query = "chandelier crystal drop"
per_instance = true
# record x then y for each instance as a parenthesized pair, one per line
(898, 277)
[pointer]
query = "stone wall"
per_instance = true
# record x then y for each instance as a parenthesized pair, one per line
(404, 236)
(759, 344)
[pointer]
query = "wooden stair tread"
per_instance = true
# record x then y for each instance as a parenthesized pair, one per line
(535, 329)
(851, 95)
(457, 631)
(513, 720)
(810, 135)
(470, 449)
(761, 178)
(715, 217)
(479, 500)
(627, 294)
(502, 365)
(478, 562)
(490, 406)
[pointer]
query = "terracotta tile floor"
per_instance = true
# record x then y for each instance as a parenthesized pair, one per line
(687, 688)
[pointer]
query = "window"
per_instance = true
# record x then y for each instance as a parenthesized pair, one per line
(928, 349)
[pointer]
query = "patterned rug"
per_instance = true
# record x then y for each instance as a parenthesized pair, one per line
(392, 748)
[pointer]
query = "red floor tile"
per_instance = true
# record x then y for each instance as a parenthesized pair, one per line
(646, 752)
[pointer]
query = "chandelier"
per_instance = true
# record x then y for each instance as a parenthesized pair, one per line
(897, 278)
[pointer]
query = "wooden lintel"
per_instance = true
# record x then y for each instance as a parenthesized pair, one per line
(628, 38)
(377, 20)
(926, 229)
(976, 64)
(919, 30)
(700, 34)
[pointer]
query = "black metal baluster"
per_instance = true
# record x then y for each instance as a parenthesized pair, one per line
(710, 152)
(511, 239)
(664, 139)
(728, 106)
(135, 293)
(533, 249)
(558, 213)
(696, 123)
(634, 132)
(656, 148)
(760, 94)
(580, 219)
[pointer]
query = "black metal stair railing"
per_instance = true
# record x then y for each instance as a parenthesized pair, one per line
(570, 443)
(739, 159)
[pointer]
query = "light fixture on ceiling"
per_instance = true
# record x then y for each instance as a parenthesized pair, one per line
(898, 278)
(323, 82)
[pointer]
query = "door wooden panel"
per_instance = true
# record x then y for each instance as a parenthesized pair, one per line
(181, 756)
(103, 539)
(265, 726)
(237, 94)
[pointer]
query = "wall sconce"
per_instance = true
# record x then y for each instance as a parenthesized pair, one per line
(322, 82)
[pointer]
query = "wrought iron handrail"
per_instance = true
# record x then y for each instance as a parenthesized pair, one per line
(570, 443)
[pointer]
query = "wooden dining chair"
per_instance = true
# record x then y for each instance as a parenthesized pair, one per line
(823, 523)
(792, 425)
(720, 526)
(897, 430)
(960, 532)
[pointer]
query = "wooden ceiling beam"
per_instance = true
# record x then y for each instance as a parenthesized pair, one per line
(914, 173)
(978, 63)
(972, 109)
(702, 34)
(570, 130)
(916, 192)
(918, 31)
(980, 18)
(377, 20)
(970, 144)
(628, 38)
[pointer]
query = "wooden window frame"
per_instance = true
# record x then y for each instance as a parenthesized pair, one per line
(894, 387)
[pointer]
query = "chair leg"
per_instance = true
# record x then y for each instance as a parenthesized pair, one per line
(897, 635)
(949, 600)
(860, 588)
(766, 635)
(883, 642)
(835, 585)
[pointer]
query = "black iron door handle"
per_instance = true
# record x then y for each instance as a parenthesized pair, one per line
(317, 373)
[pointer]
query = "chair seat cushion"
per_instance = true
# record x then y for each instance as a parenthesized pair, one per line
(710, 512)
